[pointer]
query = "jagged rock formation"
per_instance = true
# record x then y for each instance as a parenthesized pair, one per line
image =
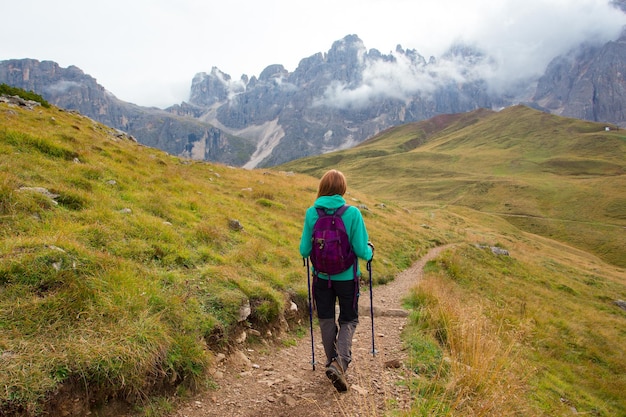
(588, 83)
(336, 100)
(71, 89)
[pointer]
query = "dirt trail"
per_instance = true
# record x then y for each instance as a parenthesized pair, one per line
(281, 382)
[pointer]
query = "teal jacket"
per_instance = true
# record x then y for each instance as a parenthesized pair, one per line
(355, 227)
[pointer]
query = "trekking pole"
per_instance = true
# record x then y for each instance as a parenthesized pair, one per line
(369, 268)
(305, 261)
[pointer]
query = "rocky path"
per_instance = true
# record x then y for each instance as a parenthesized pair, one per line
(280, 382)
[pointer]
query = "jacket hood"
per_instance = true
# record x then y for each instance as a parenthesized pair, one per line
(330, 202)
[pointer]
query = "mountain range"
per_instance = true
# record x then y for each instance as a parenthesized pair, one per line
(333, 100)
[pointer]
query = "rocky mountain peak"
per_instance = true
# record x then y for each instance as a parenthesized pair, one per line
(215, 87)
(273, 72)
(588, 83)
(334, 99)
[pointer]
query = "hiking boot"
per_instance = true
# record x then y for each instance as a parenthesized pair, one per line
(335, 374)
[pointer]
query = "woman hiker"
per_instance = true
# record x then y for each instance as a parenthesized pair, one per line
(344, 285)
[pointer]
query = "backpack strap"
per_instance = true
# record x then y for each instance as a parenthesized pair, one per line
(339, 212)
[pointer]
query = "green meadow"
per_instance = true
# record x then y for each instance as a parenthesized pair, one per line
(534, 333)
(123, 269)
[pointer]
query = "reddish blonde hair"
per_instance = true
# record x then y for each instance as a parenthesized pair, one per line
(332, 182)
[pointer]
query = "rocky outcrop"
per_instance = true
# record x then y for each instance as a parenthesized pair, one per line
(589, 83)
(19, 102)
(71, 89)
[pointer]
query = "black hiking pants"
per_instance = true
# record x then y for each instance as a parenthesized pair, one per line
(337, 339)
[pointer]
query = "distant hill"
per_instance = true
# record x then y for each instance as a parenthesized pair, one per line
(559, 177)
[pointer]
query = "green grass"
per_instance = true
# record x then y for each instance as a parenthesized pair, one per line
(537, 331)
(127, 278)
(124, 278)
(550, 190)
(557, 177)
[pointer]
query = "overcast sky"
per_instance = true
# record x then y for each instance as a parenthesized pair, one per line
(147, 51)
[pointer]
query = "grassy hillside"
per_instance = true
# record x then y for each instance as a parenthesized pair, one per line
(534, 333)
(120, 272)
(123, 271)
(537, 332)
(557, 177)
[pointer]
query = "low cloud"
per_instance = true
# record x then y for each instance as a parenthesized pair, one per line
(62, 87)
(402, 79)
(513, 41)
(146, 64)
(523, 37)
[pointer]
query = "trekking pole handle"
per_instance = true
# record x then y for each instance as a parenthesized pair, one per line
(369, 263)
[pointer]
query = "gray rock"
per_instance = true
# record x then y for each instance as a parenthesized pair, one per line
(499, 251)
(235, 225)
(244, 311)
(19, 102)
(586, 83)
(43, 191)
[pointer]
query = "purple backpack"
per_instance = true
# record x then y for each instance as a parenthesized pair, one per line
(331, 251)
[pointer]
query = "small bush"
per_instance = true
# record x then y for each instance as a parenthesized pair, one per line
(265, 202)
(71, 201)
